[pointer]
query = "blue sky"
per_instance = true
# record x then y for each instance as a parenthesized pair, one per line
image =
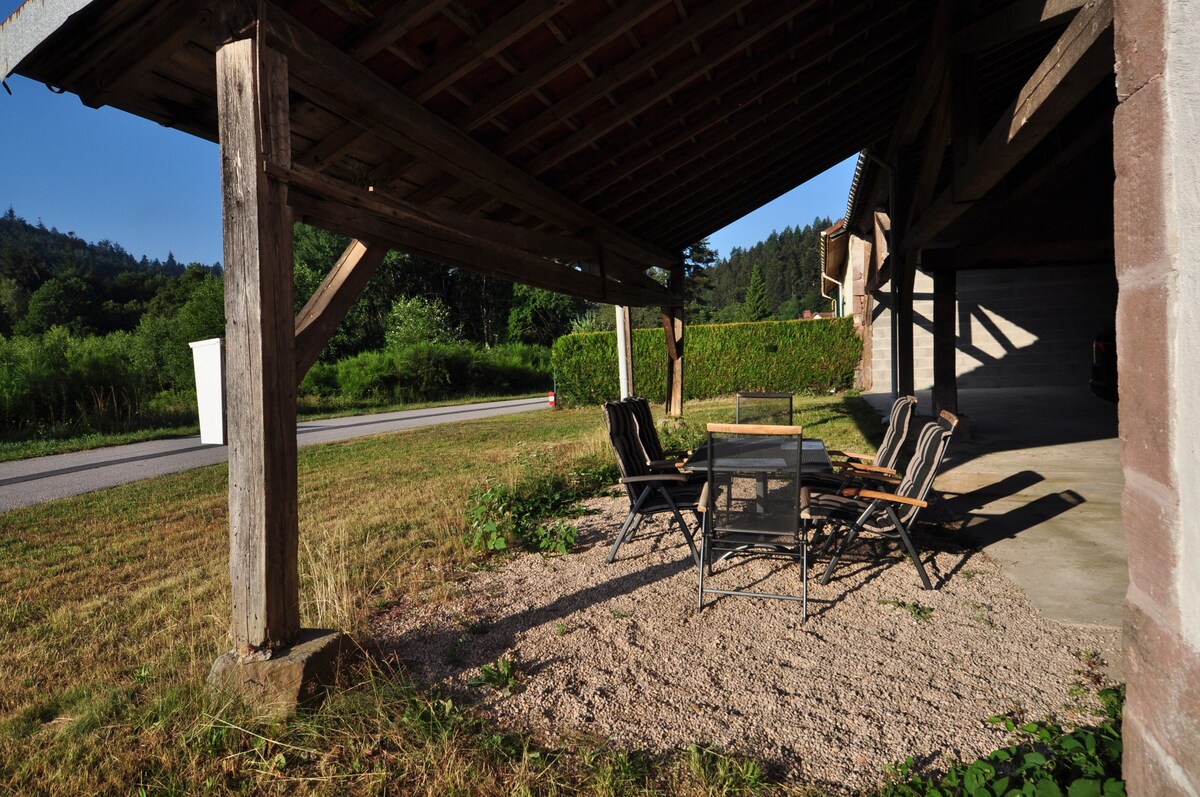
(105, 174)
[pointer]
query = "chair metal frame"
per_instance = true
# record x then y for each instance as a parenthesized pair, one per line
(764, 542)
(650, 493)
(910, 495)
(758, 396)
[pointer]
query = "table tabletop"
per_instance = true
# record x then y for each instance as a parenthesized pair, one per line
(761, 455)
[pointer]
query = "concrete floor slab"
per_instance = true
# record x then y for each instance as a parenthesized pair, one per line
(1039, 485)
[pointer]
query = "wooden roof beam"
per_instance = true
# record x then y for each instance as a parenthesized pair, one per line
(436, 221)
(712, 15)
(927, 79)
(365, 98)
(685, 73)
(712, 104)
(935, 150)
(378, 34)
(571, 54)
(1012, 22)
(477, 49)
(1080, 59)
(472, 253)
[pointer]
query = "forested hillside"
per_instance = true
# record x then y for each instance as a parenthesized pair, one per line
(49, 278)
(787, 283)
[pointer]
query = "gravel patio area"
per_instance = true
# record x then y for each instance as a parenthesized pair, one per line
(620, 652)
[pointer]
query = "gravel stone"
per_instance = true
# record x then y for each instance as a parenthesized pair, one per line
(620, 652)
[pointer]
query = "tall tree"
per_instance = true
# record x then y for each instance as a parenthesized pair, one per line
(755, 307)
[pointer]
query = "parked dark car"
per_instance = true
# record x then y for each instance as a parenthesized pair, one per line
(1104, 365)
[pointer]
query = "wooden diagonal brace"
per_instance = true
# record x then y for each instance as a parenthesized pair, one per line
(328, 305)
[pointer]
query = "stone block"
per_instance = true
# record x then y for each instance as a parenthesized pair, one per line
(1163, 702)
(291, 677)
(1139, 28)
(1151, 520)
(1141, 236)
(1144, 363)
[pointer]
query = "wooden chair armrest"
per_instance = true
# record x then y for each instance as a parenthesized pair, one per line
(654, 477)
(865, 468)
(857, 492)
(702, 505)
(852, 455)
(663, 464)
(754, 429)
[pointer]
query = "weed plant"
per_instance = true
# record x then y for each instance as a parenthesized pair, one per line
(1044, 760)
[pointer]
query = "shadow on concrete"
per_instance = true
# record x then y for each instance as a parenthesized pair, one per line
(990, 529)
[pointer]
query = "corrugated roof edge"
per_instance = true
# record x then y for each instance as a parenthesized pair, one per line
(860, 168)
(32, 23)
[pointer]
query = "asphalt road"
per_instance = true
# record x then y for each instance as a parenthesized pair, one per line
(33, 481)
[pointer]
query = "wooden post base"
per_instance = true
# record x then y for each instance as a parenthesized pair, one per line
(291, 677)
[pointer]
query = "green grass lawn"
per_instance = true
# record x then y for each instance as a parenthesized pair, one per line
(308, 408)
(113, 606)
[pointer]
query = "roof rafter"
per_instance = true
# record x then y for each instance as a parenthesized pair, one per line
(569, 55)
(1074, 66)
(485, 45)
(642, 60)
(370, 100)
(683, 74)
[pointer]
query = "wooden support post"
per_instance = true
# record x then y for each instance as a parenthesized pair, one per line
(903, 268)
(252, 100)
(945, 378)
(672, 320)
(624, 351)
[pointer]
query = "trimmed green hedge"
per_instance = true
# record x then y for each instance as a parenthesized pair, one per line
(719, 359)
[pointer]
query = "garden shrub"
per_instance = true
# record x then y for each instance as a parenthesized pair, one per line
(814, 356)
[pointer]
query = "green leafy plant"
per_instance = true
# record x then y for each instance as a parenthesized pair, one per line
(922, 614)
(1044, 760)
(503, 513)
(557, 538)
(503, 675)
(485, 519)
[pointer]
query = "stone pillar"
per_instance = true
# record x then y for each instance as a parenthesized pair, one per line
(1157, 241)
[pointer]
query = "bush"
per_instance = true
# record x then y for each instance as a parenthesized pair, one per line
(57, 382)
(414, 320)
(796, 356)
(429, 371)
(505, 513)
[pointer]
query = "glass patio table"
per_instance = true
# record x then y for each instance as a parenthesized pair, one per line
(761, 456)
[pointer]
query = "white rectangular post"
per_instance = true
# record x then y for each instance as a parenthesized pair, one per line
(624, 351)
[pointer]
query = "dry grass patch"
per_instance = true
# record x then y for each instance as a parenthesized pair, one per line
(113, 606)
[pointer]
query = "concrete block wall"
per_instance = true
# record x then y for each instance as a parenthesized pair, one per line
(1014, 326)
(1156, 132)
(1032, 326)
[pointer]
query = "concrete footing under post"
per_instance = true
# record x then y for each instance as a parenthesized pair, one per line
(291, 677)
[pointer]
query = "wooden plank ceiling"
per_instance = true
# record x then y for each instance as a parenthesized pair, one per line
(596, 136)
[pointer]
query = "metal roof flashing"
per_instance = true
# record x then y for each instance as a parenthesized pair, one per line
(33, 23)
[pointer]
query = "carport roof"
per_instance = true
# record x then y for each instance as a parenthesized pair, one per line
(599, 136)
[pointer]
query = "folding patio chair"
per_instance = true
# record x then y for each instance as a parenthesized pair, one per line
(756, 471)
(887, 514)
(650, 493)
(656, 457)
(763, 408)
(850, 469)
